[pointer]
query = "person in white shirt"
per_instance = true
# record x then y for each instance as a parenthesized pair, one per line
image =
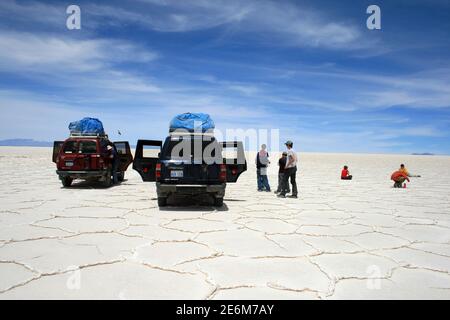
(290, 171)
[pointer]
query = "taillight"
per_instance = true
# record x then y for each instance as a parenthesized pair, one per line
(223, 173)
(158, 171)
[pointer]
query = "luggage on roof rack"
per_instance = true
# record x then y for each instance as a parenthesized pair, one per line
(87, 127)
(192, 122)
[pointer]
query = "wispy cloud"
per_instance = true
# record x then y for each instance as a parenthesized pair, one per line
(261, 18)
(32, 14)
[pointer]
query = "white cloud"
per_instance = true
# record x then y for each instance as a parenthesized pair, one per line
(75, 63)
(47, 53)
(362, 91)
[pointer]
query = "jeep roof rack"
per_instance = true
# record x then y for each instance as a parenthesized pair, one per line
(84, 135)
(174, 133)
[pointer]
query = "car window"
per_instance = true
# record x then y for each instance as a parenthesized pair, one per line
(150, 151)
(70, 147)
(121, 148)
(230, 153)
(88, 147)
(188, 148)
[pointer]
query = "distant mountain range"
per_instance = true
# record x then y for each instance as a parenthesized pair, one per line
(30, 143)
(423, 154)
(25, 143)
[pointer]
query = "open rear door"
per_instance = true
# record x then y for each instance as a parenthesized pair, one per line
(125, 156)
(234, 157)
(56, 147)
(146, 157)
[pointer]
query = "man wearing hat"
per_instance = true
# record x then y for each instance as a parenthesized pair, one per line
(290, 171)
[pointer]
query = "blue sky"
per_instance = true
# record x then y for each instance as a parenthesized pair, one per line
(309, 68)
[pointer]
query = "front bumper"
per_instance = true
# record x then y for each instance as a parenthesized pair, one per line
(81, 174)
(164, 190)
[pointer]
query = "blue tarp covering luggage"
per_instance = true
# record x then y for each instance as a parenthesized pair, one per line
(192, 122)
(87, 126)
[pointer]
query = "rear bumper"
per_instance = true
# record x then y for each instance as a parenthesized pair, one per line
(164, 190)
(81, 174)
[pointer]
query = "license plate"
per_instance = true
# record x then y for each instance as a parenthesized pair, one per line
(176, 174)
(69, 163)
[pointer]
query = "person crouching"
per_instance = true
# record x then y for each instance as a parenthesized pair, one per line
(399, 177)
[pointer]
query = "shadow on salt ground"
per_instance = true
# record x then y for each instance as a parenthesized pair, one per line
(86, 184)
(192, 203)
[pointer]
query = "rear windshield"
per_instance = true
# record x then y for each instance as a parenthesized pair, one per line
(70, 147)
(88, 147)
(191, 148)
(84, 147)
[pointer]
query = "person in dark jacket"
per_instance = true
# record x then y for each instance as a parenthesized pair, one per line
(281, 169)
(115, 162)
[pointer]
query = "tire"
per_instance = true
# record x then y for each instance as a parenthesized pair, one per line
(162, 202)
(218, 202)
(108, 180)
(121, 176)
(66, 182)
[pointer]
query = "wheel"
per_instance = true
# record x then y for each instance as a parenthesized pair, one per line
(66, 181)
(121, 176)
(162, 202)
(108, 180)
(218, 202)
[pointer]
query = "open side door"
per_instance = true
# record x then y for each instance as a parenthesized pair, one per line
(56, 147)
(124, 153)
(146, 157)
(234, 158)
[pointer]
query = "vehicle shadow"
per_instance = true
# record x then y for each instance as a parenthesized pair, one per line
(85, 184)
(196, 203)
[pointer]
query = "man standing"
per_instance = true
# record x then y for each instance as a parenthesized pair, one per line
(290, 171)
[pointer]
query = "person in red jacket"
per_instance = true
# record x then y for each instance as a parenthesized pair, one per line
(345, 174)
(399, 177)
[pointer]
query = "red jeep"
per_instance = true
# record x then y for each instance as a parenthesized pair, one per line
(88, 158)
